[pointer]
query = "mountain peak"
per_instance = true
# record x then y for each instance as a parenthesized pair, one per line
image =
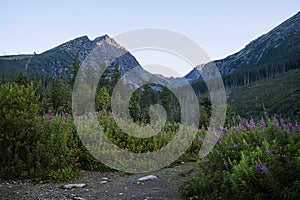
(105, 38)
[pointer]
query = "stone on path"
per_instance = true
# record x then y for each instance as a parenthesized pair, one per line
(76, 185)
(149, 177)
(103, 182)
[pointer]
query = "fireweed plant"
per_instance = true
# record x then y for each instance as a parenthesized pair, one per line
(251, 160)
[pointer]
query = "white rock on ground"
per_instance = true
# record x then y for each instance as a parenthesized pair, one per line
(78, 198)
(149, 177)
(76, 185)
(103, 182)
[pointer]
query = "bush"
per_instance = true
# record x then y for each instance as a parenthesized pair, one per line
(34, 147)
(18, 109)
(251, 161)
(56, 151)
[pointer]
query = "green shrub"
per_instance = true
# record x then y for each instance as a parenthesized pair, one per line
(30, 146)
(251, 161)
(56, 151)
(18, 109)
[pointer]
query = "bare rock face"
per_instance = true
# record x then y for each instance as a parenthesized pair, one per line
(262, 50)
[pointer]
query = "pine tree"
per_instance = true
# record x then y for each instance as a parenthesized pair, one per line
(116, 75)
(102, 99)
(75, 69)
(61, 95)
(166, 100)
(134, 106)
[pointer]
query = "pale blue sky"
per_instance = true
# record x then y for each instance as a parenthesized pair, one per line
(220, 27)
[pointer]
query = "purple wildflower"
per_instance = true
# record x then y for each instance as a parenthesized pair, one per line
(235, 145)
(200, 139)
(223, 130)
(263, 169)
(265, 113)
(257, 166)
(251, 124)
(262, 123)
(217, 140)
(236, 128)
(281, 121)
(243, 126)
(283, 156)
(268, 153)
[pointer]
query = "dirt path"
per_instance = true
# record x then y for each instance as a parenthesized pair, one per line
(109, 185)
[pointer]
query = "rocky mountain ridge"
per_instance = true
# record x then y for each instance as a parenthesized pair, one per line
(261, 50)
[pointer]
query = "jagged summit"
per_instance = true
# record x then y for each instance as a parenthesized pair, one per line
(108, 40)
(59, 60)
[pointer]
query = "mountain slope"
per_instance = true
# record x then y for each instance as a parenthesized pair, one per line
(279, 47)
(59, 60)
(278, 95)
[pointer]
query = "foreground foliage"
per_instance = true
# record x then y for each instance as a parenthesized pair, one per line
(37, 146)
(259, 160)
(251, 161)
(46, 146)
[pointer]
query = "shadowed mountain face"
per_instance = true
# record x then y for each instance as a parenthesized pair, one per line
(59, 60)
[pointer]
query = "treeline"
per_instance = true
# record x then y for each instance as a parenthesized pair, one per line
(247, 76)
(252, 74)
(55, 95)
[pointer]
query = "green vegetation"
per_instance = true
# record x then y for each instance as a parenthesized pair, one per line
(259, 160)
(279, 95)
(38, 139)
(33, 146)
(46, 146)
(250, 161)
